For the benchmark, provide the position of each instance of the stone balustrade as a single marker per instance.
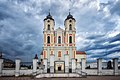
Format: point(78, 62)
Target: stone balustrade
point(99, 71)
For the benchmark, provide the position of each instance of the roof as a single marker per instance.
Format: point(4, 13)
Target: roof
point(69, 17)
point(79, 52)
point(49, 17)
point(36, 57)
point(59, 29)
point(41, 53)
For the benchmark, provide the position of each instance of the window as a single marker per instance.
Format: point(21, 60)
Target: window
point(48, 21)
point(59, 54)
point(59, 40)
point(76, 60)
point(70, 39)
point(70, 21)
point(41, 60)
point(48, 39)
point(70, 27)
point(48, 27)
point(51, 52)
point(44, 54)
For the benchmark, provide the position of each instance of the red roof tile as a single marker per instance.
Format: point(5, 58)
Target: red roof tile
point(79, 52)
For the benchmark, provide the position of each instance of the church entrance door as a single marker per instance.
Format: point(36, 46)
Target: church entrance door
point(59, 66)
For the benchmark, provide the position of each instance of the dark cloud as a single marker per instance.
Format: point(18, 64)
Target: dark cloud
point(100, 46)
point(115, 38)
point(21, 26)
point(116, 8)
point(20, 34)
point(94, 36)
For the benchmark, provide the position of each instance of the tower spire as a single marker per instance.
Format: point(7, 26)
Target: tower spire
point(69, 11)
point(49, 11)
point(49, 16)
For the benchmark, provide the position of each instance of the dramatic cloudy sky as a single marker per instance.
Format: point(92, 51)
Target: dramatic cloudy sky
point(97, 24)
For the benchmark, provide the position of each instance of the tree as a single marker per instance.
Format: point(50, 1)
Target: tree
point(0, 55)
point(109, 65)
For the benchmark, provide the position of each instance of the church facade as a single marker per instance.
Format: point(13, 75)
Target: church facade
point(59, 53)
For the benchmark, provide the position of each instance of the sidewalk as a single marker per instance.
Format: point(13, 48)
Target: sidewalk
point(88, 78)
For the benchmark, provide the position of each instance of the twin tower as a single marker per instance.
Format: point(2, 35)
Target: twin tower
point(59, 40)
point(58, 43)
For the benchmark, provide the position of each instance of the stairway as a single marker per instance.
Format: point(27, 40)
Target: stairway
point(58, 75)
point(40, 74)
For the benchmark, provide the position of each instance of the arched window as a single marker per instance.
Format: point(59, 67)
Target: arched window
point(48, 27)
point(59, 40)
point(70, 39)
point(70, 27)
point(48, 39)
point(59, 54)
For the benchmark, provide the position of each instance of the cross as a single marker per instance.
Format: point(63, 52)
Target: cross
point(49, 11)
point(69, 11)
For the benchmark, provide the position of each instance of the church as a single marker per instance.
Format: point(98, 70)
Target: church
point(59, 53)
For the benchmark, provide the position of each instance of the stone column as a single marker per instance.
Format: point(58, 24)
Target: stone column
point(78, 65)
point(66, 63)
point(35, 65)
point(99, 66)
point(52, 63)
point(45, 65)
point(73, 65)
point(1, 65)
point(115, 66)
point(83, 64)
point(17, 67)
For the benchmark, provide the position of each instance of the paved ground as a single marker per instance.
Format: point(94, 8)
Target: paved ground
point(88, 78)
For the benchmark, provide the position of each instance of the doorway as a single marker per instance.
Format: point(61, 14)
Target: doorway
point(59, 68)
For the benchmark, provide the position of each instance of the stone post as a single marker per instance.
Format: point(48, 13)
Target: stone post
point(35, 65)
point(17, 67)
point(73, 65)
point(78, 65)
point(83, 62)
point(52, 63)
point(99, 66)
point(115, 66)
point(1, 66)
point(66, 63)
point(45, 65)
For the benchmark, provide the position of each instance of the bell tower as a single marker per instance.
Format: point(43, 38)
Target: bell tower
point(70, 23)
point(48, 35)
point(49, 23)
point(70, 32)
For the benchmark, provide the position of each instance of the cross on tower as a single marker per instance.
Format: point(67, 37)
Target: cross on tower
point(69, 11)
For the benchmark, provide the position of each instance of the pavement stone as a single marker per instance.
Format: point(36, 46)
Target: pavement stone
point(88, 78)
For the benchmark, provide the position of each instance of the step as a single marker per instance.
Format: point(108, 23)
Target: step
point(58, 75)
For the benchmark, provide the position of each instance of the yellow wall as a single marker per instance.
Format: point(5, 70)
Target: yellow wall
point(79, 57)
